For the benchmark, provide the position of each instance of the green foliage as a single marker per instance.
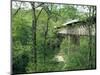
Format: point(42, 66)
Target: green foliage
point(76, 56)
point(22, 43)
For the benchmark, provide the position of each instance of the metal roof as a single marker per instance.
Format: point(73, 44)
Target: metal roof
point(70, 22)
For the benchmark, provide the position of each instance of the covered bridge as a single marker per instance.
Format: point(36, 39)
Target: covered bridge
point(73, 29)
point(76, 27)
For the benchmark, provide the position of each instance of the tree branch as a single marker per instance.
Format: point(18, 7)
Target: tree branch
point(17, 10)
point(39, 14)
point(39, 5)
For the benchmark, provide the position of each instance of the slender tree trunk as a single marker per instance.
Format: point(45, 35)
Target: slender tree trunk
point(45, 38)
point(34, 24)
point(90, 37)
point(90, 47)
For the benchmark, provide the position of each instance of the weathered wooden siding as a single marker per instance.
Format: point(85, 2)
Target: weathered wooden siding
point(79, 30)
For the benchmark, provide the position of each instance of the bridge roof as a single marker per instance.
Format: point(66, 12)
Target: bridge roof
point(70, 22)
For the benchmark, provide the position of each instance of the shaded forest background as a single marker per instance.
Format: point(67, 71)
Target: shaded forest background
point(35, 42)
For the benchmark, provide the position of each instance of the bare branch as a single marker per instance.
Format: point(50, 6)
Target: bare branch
point(17, 10)
point(39, 14)
point(39, 5)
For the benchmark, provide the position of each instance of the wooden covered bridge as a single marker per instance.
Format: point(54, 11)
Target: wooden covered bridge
point(76, 27)
point(73, 29)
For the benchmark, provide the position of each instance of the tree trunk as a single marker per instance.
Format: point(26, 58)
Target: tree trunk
point(34, 24)
point(45, 38)
point(90, 37)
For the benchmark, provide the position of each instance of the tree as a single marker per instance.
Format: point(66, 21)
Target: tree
point(91, 24)
point(34, 26)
